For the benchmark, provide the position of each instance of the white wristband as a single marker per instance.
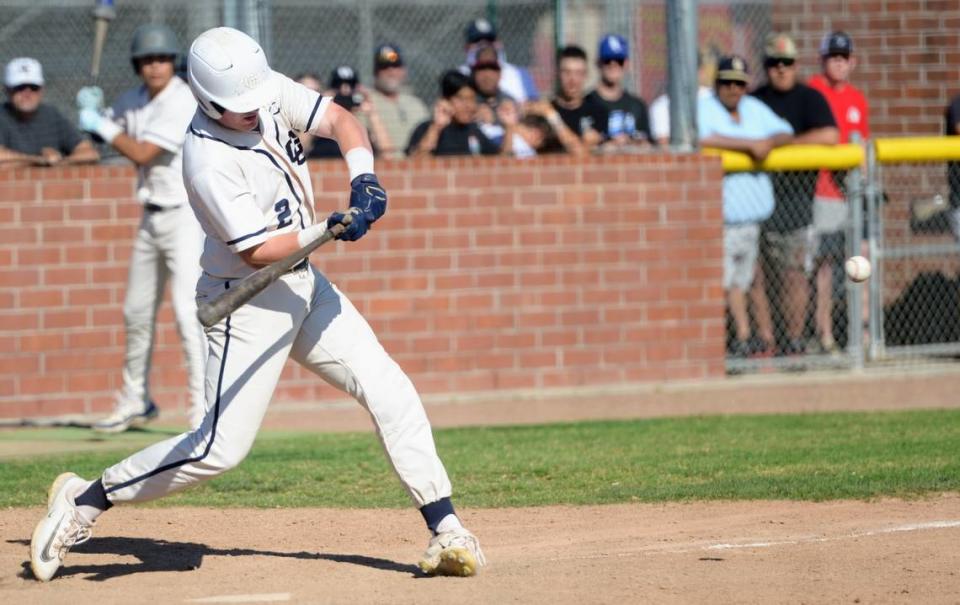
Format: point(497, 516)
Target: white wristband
point(311, 233)
point(359, 161)
point(108, 130)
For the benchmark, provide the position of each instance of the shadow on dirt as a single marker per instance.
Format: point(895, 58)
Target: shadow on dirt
point(161, 555)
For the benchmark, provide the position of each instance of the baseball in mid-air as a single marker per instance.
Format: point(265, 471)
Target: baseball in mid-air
point(858, 268)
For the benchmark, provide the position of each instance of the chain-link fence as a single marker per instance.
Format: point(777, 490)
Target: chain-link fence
point(787, 234)
point(313, 36)
point(916, 289)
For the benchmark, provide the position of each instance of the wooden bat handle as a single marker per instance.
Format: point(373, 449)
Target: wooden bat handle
point(211, 313)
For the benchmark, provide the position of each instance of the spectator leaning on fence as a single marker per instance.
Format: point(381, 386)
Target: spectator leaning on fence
point(32, 132)
point(453, 129)
point(624, 120)
point(514, 80)
point(787, 237)
point(831, 213)
point(525, 136)
point(660, 108)
point(731, 119)
point(399, 112)
point(581, 116)
point(149, 126)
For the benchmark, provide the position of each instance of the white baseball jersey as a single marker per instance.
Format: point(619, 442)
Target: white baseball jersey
point(246, 187)
point(163, 121)
point(232, 177)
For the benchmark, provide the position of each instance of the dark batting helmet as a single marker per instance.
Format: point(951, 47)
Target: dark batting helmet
point(153, 39)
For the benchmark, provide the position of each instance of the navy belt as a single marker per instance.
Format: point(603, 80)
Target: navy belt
point(150, 207)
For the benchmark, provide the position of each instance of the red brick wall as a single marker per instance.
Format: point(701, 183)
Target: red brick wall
point(484, 275)
point(908, 52)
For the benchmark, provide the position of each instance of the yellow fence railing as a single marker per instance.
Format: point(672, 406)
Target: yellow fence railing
point(917, 149)
point(793, 157)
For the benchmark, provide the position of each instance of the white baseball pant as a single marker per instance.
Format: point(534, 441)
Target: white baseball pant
point(302, 316)
point(167, 248)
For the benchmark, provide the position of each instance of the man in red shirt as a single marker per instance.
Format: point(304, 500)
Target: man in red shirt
point(830, 210)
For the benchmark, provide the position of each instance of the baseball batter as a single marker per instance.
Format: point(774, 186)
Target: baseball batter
point(248, 183)
point(149, 126)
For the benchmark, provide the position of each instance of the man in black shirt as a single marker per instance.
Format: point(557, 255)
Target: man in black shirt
point(577, 113)
point(485, 71)
point(31, 132)
point(624, 120)
point(453, 129)
point(787, 236)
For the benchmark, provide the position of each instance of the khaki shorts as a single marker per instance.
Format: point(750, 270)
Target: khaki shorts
point(789, 251)
point(830, 215)
point(740, 248)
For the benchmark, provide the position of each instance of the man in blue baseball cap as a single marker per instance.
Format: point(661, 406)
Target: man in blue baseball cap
point(624, 118)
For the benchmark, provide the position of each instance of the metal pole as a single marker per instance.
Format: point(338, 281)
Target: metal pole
point(875, 245)
point(855, 291)
point(682, 29)
point(559, 39)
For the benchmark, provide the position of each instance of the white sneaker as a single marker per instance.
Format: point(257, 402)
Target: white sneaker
point(126, 414)
point(453, 553)
point(60, 529)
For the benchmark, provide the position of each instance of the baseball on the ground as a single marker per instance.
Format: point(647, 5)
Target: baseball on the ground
point(858, 268)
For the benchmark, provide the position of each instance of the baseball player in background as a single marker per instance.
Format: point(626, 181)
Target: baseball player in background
point(148, 127)
point(248, 183)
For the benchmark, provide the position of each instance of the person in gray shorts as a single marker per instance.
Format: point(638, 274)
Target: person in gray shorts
point(731, 119)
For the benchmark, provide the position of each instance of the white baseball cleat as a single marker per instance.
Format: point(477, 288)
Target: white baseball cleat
point(453, 553)
point(60, 529)
point(127, 414)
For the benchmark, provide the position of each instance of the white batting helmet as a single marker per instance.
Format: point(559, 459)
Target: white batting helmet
point(228, 71)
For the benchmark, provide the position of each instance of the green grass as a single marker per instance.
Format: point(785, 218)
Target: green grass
point(808, 457)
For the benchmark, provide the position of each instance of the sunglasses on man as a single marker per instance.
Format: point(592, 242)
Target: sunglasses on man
point(609, 61)
point(33, 87)
point(777, 62)
point(737, 83)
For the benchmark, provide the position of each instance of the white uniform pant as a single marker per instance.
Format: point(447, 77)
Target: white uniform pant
point(167, 248)
point(305, 317)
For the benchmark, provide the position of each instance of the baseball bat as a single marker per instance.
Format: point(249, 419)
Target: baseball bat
point(211, 313)
point(103, 13)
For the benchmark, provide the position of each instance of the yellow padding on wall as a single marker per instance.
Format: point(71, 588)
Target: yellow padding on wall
point(918, 149)
point(793, 157)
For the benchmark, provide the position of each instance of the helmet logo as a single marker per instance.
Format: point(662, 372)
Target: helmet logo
point(251, 81)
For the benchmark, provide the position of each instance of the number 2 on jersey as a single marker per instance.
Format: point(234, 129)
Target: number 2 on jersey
point(283, 213)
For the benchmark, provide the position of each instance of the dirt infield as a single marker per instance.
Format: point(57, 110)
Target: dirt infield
point(764, 552)
point(885, 551)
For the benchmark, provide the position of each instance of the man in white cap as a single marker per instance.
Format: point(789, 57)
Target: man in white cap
point(31, 132)
point(249, 184)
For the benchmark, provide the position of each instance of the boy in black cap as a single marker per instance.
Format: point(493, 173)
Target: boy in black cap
point(831, 213)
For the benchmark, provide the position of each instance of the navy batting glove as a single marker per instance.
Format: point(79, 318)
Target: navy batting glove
point(367, 195)
point(355, 230)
